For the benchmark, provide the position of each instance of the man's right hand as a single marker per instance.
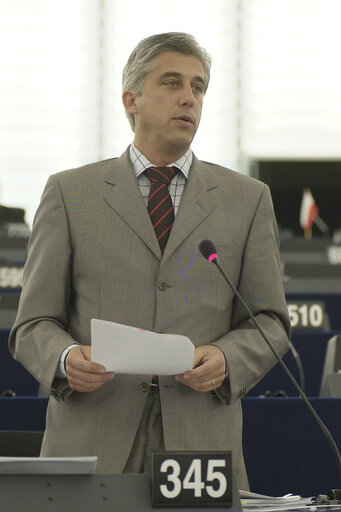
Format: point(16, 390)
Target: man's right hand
point(82, 374)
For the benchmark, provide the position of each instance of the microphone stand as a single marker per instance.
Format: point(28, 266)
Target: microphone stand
point(206, 246)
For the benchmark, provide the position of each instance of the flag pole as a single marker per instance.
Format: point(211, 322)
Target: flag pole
point(307, 234)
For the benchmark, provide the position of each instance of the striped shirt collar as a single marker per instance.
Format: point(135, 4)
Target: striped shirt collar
point(140, 163)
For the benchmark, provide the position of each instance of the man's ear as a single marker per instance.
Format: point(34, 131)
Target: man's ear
point(128, 98)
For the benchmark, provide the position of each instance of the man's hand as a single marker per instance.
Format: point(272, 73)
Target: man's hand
point(208, 371)
point(82, 374)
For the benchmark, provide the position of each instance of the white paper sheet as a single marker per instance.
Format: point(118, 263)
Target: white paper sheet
point(262, 503)
point(123, 349)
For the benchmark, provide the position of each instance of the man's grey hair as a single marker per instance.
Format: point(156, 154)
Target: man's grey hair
point(141, 60)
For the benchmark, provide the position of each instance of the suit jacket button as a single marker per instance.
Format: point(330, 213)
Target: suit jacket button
point(162, 286)
point(144, 386)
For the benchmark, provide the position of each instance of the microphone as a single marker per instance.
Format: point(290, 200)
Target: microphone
point(210, 253)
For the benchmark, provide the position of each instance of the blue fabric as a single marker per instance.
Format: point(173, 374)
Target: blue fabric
point(311, 346)
point(23, 413)
point(283, 447)
point(13, 375)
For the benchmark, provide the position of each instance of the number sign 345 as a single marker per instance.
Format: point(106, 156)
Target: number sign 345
point(192, 479)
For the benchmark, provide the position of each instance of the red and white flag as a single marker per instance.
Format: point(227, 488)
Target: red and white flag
point(309, 210)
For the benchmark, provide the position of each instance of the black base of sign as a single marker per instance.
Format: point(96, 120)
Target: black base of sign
point(196, 479)
point(83, 493)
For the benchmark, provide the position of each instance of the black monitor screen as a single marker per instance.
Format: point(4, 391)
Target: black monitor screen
point(287, 180)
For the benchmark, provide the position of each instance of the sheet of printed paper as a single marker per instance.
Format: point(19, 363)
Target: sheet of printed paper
point(124, 349)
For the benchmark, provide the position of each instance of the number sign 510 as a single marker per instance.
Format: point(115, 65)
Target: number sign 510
point(307, 315)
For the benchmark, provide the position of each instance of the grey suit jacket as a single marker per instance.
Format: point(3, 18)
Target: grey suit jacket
point(93, 253)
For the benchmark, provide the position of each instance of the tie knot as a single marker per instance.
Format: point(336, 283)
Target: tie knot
point(161, 174)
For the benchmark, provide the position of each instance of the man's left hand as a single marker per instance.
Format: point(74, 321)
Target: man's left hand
point(208, 372)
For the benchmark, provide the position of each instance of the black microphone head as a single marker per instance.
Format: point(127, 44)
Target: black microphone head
point(208, 250)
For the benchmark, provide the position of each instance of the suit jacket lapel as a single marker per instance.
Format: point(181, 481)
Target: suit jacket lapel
point(197, 203)
point(122, 193)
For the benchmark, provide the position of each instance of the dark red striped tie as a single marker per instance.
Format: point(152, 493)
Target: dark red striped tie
point(160, 205)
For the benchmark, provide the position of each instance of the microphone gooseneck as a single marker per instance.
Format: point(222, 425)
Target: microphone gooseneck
point(209, 252)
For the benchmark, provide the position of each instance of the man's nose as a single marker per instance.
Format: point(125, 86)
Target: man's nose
point(187, 95)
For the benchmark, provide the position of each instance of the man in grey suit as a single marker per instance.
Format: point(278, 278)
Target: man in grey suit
point(94, 253)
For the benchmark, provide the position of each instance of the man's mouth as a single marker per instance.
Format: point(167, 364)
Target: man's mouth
point(185, 119)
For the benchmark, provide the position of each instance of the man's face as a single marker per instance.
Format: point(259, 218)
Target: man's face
point(167, 113)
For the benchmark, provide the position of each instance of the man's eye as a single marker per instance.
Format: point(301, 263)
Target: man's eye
point(197, 89)
point(171, 83)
